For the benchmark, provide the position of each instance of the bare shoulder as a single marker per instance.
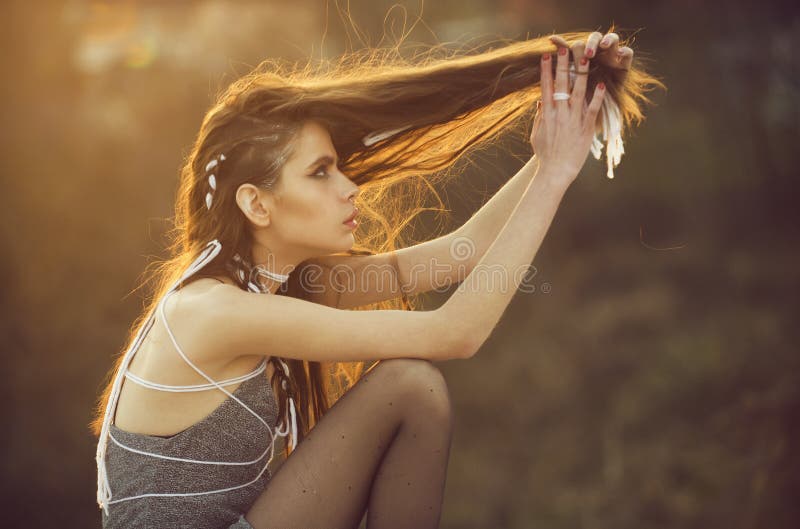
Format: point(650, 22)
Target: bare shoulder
point(189, 302)
point(221, 323)
point(191, 313)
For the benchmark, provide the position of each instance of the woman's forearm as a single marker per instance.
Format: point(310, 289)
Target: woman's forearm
point(485, 224)
point(480, 300)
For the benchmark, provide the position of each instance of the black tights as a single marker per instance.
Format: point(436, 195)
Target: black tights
point(383, 447)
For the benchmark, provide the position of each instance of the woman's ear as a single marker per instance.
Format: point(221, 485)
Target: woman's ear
point(254, 204)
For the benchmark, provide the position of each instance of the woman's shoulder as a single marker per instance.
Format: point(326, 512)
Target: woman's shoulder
point(189, 311)
point(195, 292)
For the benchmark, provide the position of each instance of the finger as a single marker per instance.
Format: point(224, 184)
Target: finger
point(609, 42)
point(537, 122)
point(578, 50)
point(581, 64)
point(591, 43)
point(626, 57)
point(537, 111)
point(562, 82)
point(546, 69)
point(558, 40)
point(594, 108)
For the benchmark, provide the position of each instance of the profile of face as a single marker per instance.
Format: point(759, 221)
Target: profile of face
point(304, 214)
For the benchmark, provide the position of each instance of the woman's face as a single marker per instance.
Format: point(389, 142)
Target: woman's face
point(312, 198)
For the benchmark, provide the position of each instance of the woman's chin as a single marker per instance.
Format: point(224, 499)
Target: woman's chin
point(348, 240)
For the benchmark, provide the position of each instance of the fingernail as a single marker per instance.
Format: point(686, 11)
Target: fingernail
point(601, 85)
point(562, 51)
point(604, 41)
point(546, 57)
point(584, 60)
point(589, 52)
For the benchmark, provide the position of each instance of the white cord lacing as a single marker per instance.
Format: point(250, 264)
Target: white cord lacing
point(104, 495)
point(196, 387)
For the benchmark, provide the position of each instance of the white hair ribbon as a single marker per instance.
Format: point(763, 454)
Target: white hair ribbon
point(375, 137)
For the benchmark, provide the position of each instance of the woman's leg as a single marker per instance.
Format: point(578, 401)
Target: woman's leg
point(384, 446)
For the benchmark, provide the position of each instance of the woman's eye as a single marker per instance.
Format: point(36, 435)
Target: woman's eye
point(321, 173)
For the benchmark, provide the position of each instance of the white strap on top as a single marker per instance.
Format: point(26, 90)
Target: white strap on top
point(197, 387)
point(104, 496)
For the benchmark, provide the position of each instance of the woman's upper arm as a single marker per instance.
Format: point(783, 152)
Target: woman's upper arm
point(245, 323)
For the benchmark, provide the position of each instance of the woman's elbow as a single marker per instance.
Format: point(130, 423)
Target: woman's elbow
point(450, 342)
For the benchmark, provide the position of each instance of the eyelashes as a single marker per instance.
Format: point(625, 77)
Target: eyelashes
point(320, 169)
point(321, 172)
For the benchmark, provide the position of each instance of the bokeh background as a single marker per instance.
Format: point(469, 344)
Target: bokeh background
point(651, 381)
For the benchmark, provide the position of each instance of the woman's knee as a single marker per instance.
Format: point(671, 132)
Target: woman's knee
point(421, 384)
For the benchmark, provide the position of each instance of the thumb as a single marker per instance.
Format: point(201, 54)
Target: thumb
point(536, 119)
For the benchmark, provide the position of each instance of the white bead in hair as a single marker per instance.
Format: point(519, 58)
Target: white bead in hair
point(375, 137)
point(212, 179)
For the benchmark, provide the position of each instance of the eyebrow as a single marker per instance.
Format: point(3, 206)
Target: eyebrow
point(324, 159)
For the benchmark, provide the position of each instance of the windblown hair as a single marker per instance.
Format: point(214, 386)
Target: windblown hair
point(446, 105)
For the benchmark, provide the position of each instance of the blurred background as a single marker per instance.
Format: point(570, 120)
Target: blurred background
point(652, 380)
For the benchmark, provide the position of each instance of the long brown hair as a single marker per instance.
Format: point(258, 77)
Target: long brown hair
point(446, 103)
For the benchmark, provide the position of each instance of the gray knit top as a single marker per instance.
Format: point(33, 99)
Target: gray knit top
point(229, 434)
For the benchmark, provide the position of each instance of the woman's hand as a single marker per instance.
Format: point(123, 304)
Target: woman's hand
point(563, 130)
point(604, 49)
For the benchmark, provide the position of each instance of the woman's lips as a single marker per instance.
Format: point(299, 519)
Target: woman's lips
point(351, 221)
point(351, 217)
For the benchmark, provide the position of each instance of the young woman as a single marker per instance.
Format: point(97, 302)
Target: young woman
point(214, 373)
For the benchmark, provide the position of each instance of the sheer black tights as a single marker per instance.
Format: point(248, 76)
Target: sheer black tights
point(383, 447)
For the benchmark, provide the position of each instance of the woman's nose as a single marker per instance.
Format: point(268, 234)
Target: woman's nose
point(353, 193)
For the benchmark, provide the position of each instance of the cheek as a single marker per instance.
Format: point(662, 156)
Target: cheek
point(306, 216)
